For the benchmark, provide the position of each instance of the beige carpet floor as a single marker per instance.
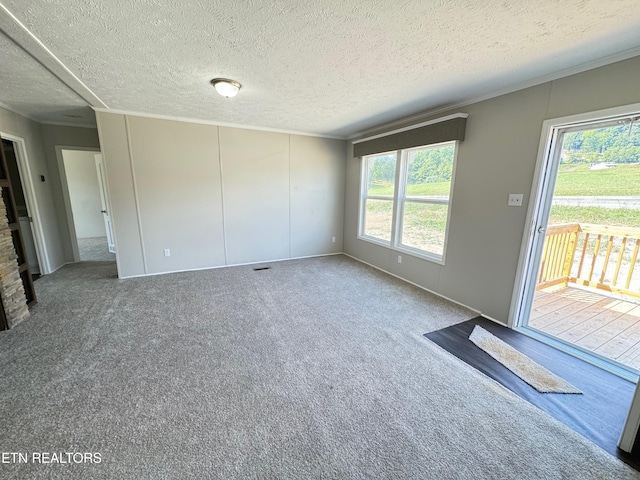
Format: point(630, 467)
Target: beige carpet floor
point(315, 368)
point(95, 249)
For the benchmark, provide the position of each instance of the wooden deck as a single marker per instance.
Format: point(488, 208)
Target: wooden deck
point(603, 324)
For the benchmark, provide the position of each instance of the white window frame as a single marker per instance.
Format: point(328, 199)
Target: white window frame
point(364, 188)
point(400, 198)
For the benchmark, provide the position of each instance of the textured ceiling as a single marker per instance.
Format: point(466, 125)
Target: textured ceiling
point(332, 67)
point(26, 86)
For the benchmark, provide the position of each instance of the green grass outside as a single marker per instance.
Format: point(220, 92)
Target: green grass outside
point(421, 189)
point(578, 180)
point(424, 225)
point(573, 180)
point(596, 215)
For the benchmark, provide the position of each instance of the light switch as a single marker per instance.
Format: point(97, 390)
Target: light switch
point(515, 200)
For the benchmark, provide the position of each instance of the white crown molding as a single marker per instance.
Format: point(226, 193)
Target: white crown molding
point(42, 122)
point(18, 112)
point(67, 124)
point(23, 37)
point(214, 123)
point(567, 72)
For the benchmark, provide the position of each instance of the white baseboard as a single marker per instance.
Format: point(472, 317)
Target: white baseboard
point(58, 268)
point(227, 266)
point(494, 320)
point(417, 285)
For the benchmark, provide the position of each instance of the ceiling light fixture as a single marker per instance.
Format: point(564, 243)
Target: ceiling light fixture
point(225, 87)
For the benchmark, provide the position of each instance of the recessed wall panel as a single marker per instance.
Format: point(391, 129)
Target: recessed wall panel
point(115, 151)
point(177, 173)
point(317, 195)
point(255, 182)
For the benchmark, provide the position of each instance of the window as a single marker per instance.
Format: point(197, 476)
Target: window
point(405, 204)
point(378, 200)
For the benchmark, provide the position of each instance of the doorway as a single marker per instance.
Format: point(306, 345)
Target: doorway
point(86, 202)
point(28, 218)
point(580, 267)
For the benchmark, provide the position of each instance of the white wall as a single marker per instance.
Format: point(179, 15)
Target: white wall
point(218, 196)
point(497, 157)
point(84, 193)
point(177, 184)
point(317, 195)
point(125, 215)
point(255, 182)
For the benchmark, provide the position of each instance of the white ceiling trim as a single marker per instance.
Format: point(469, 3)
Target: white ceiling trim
point(601, 62)
point(17, 112)
point(214, 123)
point(37, 120)
point(22, 36)
point(67, 124)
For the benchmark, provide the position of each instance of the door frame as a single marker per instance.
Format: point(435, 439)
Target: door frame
point(104, 199)
point(542, 187)
point(67, 198)
point(26, 180)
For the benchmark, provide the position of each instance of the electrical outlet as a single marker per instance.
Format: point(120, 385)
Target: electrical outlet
point(515, 200)
point(399, 258)
point(333, 239)
point(167, 252)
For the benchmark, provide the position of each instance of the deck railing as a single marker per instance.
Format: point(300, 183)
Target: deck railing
point(598, 256)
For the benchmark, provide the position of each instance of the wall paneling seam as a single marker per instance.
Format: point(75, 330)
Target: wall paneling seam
point(290, 196)
point(135, 195)
point(224, 217)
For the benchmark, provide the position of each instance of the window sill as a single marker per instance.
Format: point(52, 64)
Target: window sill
point(374, 240)
point(404, 250)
